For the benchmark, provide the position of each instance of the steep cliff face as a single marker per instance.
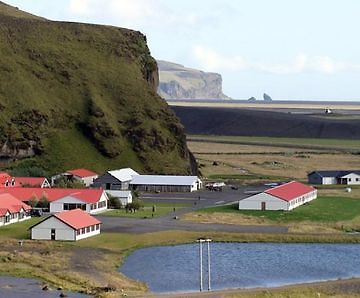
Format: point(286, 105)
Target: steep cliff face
point(179, 82)
point(84, 95)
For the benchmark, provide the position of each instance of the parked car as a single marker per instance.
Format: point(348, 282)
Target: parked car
point(36, 212)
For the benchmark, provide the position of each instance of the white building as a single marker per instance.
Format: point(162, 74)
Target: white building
point(284, 197)
point(12, 210)
point(61, 199)
point(347, 177)
point(92, 201)
point(67, 225)
point(124, 196)
point(163, 183)
point(85, 176)
point(115, 180)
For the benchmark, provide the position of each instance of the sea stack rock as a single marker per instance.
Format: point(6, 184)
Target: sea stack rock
point(252, 98)
point(267, 97)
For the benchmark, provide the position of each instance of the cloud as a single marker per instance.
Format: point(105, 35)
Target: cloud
point(136, 14)
point(211, 60)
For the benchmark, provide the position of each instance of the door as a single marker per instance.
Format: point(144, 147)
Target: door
point(263, 206)
point(53, 234)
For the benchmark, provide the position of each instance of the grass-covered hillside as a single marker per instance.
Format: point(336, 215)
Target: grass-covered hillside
point(82, 95)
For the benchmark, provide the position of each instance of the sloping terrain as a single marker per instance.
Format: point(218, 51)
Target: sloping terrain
point(82, 95)
point(180, 82)
point(245, 122)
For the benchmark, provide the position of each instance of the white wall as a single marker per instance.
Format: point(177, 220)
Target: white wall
point(58, 206)
point(254, 202)
point(352, 179)
point(123, 195)
point(274, 203)
point(43, 230)
point(329, 180)
point(86, 180)
point(90, 234)
point(15, 219)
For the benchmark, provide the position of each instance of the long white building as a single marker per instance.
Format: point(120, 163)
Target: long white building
point(284, 197)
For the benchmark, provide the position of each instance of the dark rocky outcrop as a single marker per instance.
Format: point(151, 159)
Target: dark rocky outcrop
point(267, 97)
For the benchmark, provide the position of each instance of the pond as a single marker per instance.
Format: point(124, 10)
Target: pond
point(14, 287)
point(241, 265)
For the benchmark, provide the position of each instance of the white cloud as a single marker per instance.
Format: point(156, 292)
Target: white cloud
point(137, 14)
point(211, 60)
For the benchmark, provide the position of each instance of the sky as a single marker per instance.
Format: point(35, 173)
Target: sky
point(299, 49)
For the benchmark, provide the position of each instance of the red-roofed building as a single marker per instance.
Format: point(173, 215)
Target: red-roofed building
point(70, 225)
point(84, 176)
point(61, 199)
point(7, 180)
point(283, 197)
point(12, 210)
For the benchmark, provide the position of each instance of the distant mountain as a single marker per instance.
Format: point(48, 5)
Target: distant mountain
point(180, 82)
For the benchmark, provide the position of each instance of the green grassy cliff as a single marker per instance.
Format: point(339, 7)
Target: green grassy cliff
point(82, 95)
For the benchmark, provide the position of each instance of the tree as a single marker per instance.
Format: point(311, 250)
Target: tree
point(115, 202)
point(33, 202)
point(134, 206)
point(43, 202)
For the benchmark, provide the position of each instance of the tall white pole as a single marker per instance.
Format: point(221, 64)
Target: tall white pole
point(201, 265)
point(209, 272)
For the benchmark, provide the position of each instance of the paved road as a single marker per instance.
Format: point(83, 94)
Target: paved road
point(139, 225)
point(167, 222)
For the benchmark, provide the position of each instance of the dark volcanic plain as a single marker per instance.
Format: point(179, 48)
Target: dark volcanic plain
point(292, 123)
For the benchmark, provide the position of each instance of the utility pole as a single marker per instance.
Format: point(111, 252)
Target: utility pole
point(209, 266)
point(201, 262)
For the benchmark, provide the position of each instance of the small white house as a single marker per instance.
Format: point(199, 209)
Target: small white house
point(284, 197)
point(12, 210)
point(67, 225)
point(83, 175)
point(124, 196)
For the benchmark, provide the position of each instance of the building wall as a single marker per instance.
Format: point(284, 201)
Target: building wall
point(274, 203)
point(108, 181)
point(43, 230)
point(58, 206)
point(163, 188)
point(254, 202)
point(121, 195)
point(15, 218)
point(88, 234)
point(352, 179)
point(86, 180)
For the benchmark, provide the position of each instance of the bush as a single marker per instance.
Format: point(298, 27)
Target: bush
point(115, 203)
point(135, 205)
point(63, 182)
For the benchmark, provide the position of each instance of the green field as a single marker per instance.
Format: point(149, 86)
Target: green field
point(323, 209)
point(316, 143)
point(146, 212)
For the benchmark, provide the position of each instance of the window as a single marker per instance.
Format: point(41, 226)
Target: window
point(83, 231)
point(92, 228)
point(78, 232)
point(71, 206)
point(97, 226)
point(88, 230)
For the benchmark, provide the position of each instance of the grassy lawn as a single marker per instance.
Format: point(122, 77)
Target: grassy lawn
point(323, 209)
point(18, 230)
point(160, 210)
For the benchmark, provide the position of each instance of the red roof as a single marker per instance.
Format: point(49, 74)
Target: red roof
point(11, 204)
point(82, 173)
point(29, 181)
point(53, 194)
point(77, 218)
point(290, 191)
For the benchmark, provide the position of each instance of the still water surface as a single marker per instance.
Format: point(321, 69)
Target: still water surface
point(242, 265)
point(14, 287)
